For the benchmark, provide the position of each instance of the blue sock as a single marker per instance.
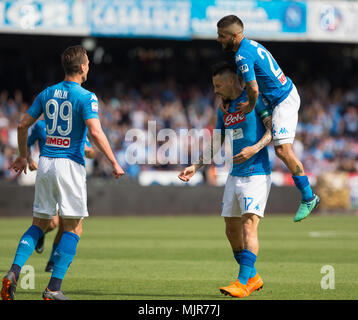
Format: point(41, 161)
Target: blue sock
point(247, 262)
point(54, 247)
point(237, 255)
point(303, 185)
point(63, 256)
point(25, 248)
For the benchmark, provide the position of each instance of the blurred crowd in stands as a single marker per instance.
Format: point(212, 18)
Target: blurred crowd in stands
point(169, 82)
point(326, 139)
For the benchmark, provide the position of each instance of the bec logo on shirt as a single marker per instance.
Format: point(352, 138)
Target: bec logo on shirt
point(233, 118)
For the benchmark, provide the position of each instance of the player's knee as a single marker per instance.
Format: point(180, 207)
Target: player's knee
point(53, 225)
point(249, 225)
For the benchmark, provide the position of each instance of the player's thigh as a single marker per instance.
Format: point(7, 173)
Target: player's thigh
point(253, 193)
point(285, 119)
point(230, 205)
point(45, 200)
point(71, 181)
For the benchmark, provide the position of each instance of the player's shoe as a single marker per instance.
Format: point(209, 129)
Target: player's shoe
point(236, 289)
point(8, 286)
point(305, 208)
point(40, 245)
point(49, 266)
point(54, 295)
point(254, 284)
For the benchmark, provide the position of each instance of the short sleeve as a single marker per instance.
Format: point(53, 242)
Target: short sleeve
point(36, 108)
point(90, 107)
point(245, 66)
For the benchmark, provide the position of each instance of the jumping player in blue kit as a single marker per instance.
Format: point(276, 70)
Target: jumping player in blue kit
point(249, 181)
point(262, 75)
point(69, 110)
point(37, 133)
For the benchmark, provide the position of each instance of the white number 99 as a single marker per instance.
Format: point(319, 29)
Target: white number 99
point(59, 111)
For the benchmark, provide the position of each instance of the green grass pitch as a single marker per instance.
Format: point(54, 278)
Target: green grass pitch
point(189, 258)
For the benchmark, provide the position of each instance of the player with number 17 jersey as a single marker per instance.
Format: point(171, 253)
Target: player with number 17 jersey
point(66, 107)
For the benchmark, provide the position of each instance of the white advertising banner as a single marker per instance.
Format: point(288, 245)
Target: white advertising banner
point(332, 21)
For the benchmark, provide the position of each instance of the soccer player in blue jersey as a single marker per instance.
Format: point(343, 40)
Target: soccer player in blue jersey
point(70, 112)
point(37, 133)
point(249, 181)
point(261, 74)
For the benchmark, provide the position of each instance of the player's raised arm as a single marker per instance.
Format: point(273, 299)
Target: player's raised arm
point(100, 140)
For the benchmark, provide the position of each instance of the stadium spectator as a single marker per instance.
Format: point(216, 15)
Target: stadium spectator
point(328, 124)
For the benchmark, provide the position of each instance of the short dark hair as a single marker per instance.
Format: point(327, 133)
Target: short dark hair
point(229, 20)
point(72, 58)
point(221, 67)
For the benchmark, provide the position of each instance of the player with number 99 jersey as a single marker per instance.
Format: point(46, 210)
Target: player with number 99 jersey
point(66, 107)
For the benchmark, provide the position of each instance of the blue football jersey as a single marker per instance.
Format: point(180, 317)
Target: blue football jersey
point(254, 62)
point(66, 107)
point(247, 130)
point(37, 133)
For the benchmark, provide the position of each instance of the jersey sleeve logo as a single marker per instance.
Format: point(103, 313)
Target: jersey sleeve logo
point(94, 106)
point(244, 68)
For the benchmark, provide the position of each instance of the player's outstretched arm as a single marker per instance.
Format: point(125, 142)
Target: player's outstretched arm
point(20, 163)
point(248, 152)
point(101, 141)
point(208, 153)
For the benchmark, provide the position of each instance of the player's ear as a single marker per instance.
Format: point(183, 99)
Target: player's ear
point(82, 68)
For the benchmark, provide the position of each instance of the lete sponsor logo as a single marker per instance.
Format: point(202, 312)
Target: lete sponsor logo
point(233, 118)
point(58, 141)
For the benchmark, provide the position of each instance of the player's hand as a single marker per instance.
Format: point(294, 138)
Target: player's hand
point(187, 173)
point(19, 165)
point(245, 154)
point(32, 165)
point(243, 107)
point(224, 107)
point(117, 171)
